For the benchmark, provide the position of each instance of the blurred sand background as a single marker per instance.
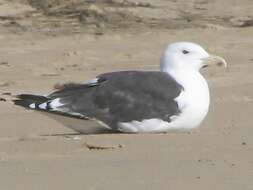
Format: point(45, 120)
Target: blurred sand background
point(47, 42)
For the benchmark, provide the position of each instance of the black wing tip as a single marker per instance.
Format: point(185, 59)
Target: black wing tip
point(31, 101)
point(25, 100)
point(22, 103)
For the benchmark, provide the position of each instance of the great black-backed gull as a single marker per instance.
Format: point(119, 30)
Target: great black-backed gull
point(177, 97)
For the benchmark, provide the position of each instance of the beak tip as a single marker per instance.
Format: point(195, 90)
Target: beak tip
point(222, 63)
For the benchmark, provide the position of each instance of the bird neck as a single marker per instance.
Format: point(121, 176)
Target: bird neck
point(193, 83)
point(187, 78)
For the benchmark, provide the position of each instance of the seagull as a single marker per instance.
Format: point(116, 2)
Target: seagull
point(176, 97)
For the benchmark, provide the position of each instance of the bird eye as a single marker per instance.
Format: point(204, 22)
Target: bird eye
point(185, 52)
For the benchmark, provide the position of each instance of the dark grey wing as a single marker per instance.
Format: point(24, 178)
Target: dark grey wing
point(122, 97)
point(112, 98)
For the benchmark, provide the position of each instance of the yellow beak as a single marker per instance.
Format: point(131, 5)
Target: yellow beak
point(214, 60)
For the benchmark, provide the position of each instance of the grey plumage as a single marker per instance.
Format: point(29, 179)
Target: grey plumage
point(115, 97)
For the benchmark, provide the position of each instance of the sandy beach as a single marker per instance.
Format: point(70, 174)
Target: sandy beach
point(39, 50)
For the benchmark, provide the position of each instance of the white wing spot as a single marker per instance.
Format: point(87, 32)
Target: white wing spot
point(56, 103)
point(32, 106)
point(93, 81)
point(43, 106)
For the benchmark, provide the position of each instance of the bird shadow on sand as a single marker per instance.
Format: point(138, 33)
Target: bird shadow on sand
point(94, 132)
point(111, 132)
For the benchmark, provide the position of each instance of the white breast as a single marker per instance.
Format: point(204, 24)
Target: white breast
point(193, 101)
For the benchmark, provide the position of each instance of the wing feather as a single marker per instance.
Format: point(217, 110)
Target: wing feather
point(116, 97)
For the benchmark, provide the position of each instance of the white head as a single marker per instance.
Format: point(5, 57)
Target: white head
point(187, 56)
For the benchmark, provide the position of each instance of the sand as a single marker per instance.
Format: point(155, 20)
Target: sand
point(36, 152)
